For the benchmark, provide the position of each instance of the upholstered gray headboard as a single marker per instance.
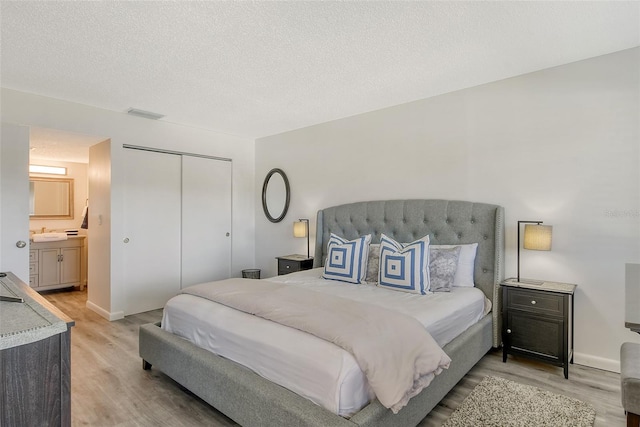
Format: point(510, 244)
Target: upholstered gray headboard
point(447, 222)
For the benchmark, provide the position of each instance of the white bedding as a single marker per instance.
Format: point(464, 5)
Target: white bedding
point(305, 364)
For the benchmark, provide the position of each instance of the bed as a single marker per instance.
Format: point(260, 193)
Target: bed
point(251, 400)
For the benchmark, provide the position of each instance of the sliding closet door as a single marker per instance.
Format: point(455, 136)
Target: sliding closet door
point(206, 220)
point(151, 243)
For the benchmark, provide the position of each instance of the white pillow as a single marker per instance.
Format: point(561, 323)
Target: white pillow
point(404, 267)
point(347, 259)
point(466, 263)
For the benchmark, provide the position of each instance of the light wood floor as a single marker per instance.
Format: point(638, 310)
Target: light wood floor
point(109, 387)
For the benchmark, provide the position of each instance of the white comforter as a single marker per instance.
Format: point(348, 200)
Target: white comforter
point(312, 367)
point(395, 351)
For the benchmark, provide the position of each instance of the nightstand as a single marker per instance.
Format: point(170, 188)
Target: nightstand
point(537, 321)
point(291, 263)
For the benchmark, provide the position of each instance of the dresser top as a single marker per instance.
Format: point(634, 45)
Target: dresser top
point(564, 288)
point(32, 320)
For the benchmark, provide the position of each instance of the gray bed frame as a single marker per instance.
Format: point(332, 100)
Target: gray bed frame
point(251, 400)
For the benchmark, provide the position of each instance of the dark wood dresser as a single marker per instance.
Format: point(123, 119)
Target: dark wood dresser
point(537, 321)
point(35, 358)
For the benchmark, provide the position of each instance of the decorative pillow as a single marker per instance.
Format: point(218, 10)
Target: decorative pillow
point(347, 259)
point(443, 263)
point(466, 263)
point(404, 267)
point(373, 263)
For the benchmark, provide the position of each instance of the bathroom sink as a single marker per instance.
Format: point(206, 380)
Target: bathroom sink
point(49, 237)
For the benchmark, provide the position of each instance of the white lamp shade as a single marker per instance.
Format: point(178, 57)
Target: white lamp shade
point(300, 228)
point(537, 237)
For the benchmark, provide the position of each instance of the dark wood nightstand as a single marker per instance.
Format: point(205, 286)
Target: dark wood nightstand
point(291, 263)
point(537, 321)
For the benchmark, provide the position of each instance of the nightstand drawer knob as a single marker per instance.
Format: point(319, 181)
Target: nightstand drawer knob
point(508, 331)
point(533, 302)
point(287, 267)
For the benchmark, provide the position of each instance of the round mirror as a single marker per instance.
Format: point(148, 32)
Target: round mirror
point(275, 195)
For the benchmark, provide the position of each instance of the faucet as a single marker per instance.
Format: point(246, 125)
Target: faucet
point(43, 229)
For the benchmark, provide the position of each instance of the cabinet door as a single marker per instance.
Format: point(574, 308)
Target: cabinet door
point(206, 220)
point(151, 244)
point(70, 265)
point(537, 335)
point(49, 267)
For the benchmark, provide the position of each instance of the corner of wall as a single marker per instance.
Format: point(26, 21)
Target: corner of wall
point(104, 313)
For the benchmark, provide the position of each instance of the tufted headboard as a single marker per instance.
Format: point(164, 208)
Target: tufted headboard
point(447, 222)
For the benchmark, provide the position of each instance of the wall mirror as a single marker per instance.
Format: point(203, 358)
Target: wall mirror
point(50, 198)
point(275, 195)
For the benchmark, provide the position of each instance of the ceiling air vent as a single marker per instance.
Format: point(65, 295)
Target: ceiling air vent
point(145, 114)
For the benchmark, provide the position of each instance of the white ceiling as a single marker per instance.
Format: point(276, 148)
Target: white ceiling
point(54, 144)
point(259, 68)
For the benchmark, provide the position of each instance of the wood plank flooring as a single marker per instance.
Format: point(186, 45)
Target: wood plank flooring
point(109, 387)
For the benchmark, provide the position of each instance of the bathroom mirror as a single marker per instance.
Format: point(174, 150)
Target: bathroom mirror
point(275, 195)
point(50, 198)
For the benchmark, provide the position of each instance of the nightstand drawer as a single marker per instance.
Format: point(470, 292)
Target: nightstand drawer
point(286, 266)
point(536, 301)
point(292, 263)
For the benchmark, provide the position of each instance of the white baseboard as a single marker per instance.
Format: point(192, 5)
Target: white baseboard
point(104, 313)
point(596, 362)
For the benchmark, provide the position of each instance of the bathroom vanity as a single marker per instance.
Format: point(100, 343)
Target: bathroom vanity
point(57, 264)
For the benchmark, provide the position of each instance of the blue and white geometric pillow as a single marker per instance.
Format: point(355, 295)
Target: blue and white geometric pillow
point(347, 259)
point(404, 267)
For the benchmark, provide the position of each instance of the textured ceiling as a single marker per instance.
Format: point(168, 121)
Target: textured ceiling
point(259, 68)
point(53, 144)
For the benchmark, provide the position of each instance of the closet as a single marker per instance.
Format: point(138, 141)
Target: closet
point(177, 222)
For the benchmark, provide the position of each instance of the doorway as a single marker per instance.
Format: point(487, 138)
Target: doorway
point(58, 230)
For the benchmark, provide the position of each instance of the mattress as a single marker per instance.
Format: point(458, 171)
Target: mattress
point(309, 366)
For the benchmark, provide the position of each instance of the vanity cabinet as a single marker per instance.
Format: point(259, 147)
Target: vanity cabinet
point(54, 265)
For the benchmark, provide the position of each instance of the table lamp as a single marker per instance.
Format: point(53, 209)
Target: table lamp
point(537, 237)
point(301, 229)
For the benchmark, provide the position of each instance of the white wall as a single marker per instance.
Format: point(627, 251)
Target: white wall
point(560, 145)
point(99, 232)
point(120, 128)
